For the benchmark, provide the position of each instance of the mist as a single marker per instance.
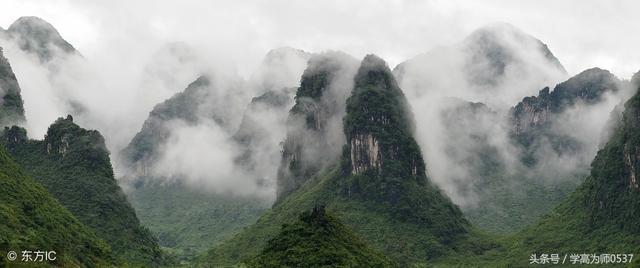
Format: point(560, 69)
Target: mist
point(136, 55)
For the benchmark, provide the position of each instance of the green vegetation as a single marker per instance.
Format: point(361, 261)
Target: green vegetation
point(603, 213)
point(599, 217)
point(390, 170)
point(502, 192)
point(183, 105)
point(318, 239)
point(73, 165)
point(307, 147)
point(508, 203)
point(187, 221)
point(32, 219)
point(396, 210)
point(11, 105)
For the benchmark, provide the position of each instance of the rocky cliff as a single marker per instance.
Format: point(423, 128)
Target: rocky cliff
point(11, 104)
point(313, 138)
point(587, 87)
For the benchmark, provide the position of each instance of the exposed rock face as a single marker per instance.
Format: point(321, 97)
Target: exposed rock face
point(378, 122)
point(379, 128)
point(587, 87)
point(11, 104)
point(365, 153)
point(377, 185)
point(64, 135)
point(612, 191)
point(315, 119)
point(631, 161)
point(15, 135)
point(37, 36)
point(532, 112)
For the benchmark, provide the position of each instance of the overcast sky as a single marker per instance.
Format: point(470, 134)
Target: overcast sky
point(580, 33)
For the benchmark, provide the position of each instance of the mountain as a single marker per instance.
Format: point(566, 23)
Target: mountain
point(601, 215)
point(180, 214)
point(318, 239)
point(494, 50)
point(313, 137)
point(32, 219)
point(378, 186)
point(37, 36)
point(261, 131)
point(529, 157)
point(208, 98)
point(73, 164)
point(11, 106)
point(492, 65)
point(281, 68)
point(143, 148)
point(588, 87)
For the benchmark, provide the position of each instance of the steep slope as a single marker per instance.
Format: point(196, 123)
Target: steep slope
point(318, 239)
point(529, 157)
point(143, 148)
point(74, 165)
point(382, 162)
point(11, 104)
point(37, 36)
point(314, 126)
point(601, 216)
point(180, 213)
point(378, 187)
point(176, 212)
point(32, 219)
point(260, 133)
point(208, 98)
point(533, 114)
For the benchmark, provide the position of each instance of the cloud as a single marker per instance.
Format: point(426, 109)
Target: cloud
point(136, 54)
point(202, 157)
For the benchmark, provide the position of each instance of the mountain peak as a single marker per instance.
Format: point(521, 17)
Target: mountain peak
point(374, 71)
point(587, 87)
point(319, 239)
point(378, 124)
point(64, 137)
point(490, 62)
point(285, 51)
point(497, 27)
point(38, 36)
point(281, 68)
